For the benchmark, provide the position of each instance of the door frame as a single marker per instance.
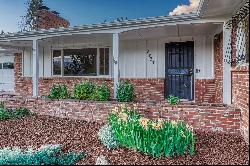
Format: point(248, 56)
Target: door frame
point(194, 66)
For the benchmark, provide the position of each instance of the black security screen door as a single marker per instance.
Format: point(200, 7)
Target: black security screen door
point(179, 70)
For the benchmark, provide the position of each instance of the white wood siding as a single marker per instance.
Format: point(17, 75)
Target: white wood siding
point(134, 60)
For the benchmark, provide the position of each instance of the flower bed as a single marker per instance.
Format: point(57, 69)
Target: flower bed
point(154, 137)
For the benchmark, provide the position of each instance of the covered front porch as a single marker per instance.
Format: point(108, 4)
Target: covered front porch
point(137, 54)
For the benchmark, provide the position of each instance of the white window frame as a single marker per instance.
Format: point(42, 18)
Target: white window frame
point(97, 64)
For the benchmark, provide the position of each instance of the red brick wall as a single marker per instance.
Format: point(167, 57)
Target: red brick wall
point(240, 96)
point(218, 64)
point(145, 89)
point(49, 20)
point(204, 91)
point(212, 117)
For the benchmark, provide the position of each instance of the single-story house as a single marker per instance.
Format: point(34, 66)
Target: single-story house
point(189, 55)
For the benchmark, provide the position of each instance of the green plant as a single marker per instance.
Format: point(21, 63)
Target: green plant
point(4, 114)
point(49, 155)
point(173, 100)
point(20, 112)
point(59, 92)
point(13, 113)
point(2, 105)
point(107, 136)
point(125, 92)
point(154, 137)
point(84, 91)
point(101, 93)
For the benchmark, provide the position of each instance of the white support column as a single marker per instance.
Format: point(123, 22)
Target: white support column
point(116, 62)
point(227, 80)
point(35, 76)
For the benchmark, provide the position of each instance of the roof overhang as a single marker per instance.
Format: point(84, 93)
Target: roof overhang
point(207, 8)
point(113, 27)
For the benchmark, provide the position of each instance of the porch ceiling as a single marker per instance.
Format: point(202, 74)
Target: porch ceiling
point(69, 40)
point(172, 31)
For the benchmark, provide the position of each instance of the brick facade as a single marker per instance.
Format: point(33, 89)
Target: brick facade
point(48, 19)
point(218, 65)
point(240, 96)
point(212, 117)
point(145, 89)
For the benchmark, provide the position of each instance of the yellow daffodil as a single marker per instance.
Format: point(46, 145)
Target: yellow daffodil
point(115, 110)
point(144, 122)
point(123, 116)
point(157, 126)
point(174, 123)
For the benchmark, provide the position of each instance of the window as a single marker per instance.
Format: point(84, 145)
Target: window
point(57, 60)
point(80, 62)
point(104, 61)
point(1, 65)
point(8, 65)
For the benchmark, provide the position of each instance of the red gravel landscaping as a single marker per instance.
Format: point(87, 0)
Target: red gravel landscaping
point(77, 135)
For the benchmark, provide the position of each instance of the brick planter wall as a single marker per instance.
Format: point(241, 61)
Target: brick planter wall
point(240, 96)
point(202, 117)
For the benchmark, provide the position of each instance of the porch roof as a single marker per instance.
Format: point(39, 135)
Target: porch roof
point(109, 27)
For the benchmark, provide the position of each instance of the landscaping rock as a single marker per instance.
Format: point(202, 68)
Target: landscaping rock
point(101, 160)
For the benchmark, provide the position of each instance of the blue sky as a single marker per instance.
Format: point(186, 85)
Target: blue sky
point(80, 12)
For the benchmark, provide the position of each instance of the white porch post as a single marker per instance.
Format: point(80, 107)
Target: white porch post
point(116, 62)
point(35, 76)
point(227, 81)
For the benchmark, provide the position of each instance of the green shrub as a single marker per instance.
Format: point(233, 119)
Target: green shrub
point(84, 91)
point(59, 92)
point(13, 113)
point(154, 137)
point(173, 100)
point(49, 155)
point(4, 114)
point(107, 136)
point(125, 92)
point(101, 93)
point(20, 112)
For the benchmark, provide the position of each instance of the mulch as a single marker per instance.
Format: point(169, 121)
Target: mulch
point(76, 135)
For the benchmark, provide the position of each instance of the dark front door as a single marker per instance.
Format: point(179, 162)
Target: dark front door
point(179, 70)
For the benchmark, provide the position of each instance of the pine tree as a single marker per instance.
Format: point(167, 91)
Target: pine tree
point(30, 20)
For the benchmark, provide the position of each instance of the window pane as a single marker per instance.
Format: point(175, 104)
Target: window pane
point(104, 61)
point(80, 62)
point(1, 65)
point(57, 62)
point(8, 65)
